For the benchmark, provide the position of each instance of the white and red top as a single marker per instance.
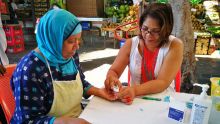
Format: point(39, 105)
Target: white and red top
point(142, 70)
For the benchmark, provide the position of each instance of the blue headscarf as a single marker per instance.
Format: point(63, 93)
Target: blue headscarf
point(53, 29)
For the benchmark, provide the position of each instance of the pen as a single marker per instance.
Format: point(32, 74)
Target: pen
point(151, 98)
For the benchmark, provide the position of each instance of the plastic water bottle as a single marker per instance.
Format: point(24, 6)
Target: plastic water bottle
point(215, 111)
point(201, 107)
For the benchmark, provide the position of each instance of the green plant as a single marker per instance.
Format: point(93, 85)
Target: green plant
point(162, 1)
point(195, 2)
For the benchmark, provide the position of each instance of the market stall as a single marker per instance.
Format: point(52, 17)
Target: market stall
point(206, 25)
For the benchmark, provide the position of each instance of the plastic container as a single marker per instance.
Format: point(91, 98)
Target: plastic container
point(16, 48)
point(215, 111)
point(12, 40)
point(122, 42)
point(13, 29)
point(214, 83)
point(201, 107)
point(86, 25)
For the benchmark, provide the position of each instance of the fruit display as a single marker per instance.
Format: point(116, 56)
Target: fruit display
point(205, 22)
point(202, 34)
point(212, 12)
point(215, 31)
point(197, 16)
point(118, 12)
point(110, 25)
point(202, 46)
point(124, 13)
point(195, 2)
point(197, 24)
point(202, 42)
point(132, 15)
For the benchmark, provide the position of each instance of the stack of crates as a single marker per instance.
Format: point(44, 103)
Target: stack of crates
point(15, 38)
point(3, 7)
point(202, 45)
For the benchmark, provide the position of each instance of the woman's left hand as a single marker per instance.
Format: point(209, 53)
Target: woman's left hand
point(106, 95)
point(127, 94)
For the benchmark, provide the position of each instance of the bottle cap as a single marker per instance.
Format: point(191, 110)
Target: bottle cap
point(115, 89)
point(205, 87)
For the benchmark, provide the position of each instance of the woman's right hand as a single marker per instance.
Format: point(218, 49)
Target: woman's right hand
point(127, 95)
point(69, 120)
point(110, 82)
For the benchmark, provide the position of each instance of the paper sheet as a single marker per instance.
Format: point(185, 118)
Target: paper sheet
point(100, 111)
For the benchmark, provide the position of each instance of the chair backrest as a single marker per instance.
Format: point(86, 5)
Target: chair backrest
point(177, 80)
point(6, 95)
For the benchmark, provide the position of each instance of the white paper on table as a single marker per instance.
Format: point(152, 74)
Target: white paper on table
point(100, 111)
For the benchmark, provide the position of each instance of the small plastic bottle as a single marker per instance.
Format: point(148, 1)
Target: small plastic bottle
point(201, 107)
point(215, 111)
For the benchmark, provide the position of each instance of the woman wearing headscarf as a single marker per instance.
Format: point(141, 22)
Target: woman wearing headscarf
point(48, 83)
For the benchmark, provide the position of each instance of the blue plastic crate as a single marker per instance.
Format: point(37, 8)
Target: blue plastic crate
point(86, 25)
point(122, 42)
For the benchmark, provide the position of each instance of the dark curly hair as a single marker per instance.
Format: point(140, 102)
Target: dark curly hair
point(163, 13)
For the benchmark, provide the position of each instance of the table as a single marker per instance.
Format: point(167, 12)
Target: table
point(100, 111)
point(109, 32)
point(92, 28)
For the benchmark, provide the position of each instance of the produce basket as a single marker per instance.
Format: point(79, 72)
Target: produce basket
point(127, 28)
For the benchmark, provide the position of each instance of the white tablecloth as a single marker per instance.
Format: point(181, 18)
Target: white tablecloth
point(100, 111)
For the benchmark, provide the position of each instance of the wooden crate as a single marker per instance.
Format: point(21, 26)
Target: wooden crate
point(202, 45)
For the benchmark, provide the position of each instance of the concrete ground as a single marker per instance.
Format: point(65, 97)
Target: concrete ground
point(94, 56)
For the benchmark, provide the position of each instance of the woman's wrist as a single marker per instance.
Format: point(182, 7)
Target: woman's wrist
point(111, 74)
point(94, 91)
point(134, 88)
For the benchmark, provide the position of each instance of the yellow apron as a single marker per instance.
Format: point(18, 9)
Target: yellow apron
point(67, 97)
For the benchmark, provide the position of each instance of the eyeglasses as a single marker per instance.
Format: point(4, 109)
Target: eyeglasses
point(153, 32)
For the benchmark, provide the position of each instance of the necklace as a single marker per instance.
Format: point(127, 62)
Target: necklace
point(148, 64)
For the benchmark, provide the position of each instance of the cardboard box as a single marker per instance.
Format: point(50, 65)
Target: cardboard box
point(86, 8)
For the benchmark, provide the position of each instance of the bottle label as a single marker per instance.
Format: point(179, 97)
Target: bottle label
point(200, 114)
point(176, 114)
